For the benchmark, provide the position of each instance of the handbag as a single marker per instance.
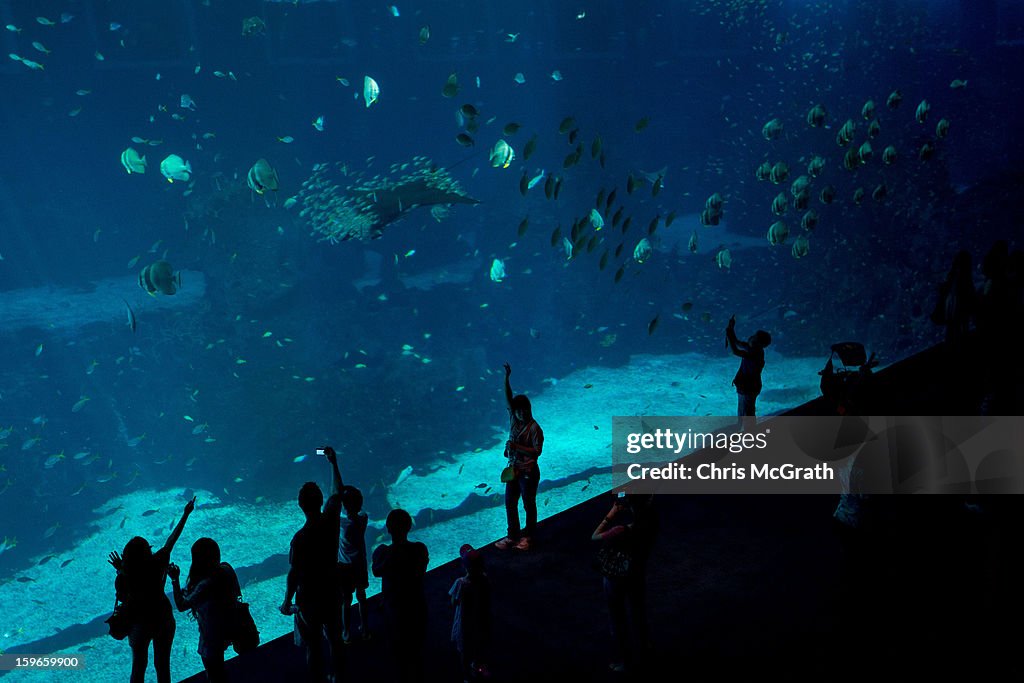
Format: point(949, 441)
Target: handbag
point(508, 474)
point(245, 637)
point(120, 622)
point(613, 562)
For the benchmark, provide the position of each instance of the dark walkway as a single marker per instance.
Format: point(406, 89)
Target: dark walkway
point(750, 587)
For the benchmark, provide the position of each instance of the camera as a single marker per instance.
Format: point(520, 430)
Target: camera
point(621, 495)
point(321, 451)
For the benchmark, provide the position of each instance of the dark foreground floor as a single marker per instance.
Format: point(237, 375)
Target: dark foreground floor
point(743, 588)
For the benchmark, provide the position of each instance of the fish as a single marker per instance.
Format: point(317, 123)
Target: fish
point(846, 132)
point(921, 113)
point(79, 404)
point(465, 140)
point(287, 139)
point(132, 162)
point(556, 75)
point(186, 102)
point(66, 563)
point(643, 250)
point(692, 244)
point(619, 273)
point(51, 531)
point(596, 220)
point(371, 91)
point(469, 111)
point(641, 124)
point(772, 130)
point(160, 277)
point(12, 28)
point(318, 123)
point(424, 34)
point(523, 226)
point(403, 475)
point(451, 86)
point(653, 325)
point(132, 323)
point(135, 441)
point(815, 166)
point(511, 128)
point(39, 350)
point(150, 512)
point(723, 259)
point(40, 47)
point(816, 116)
point(780, 204)
point(828, 193)
point(519, 78)
point(45, 22)
point(809, 221)
point(777, 232)
point(894, 99)
point(653, 225)
point(529, 148)
point(262, 177)
point(955, 84)
point(502, 154)
point(497, 270)
point(868, 110)
point(175, 168)
point(942, 129)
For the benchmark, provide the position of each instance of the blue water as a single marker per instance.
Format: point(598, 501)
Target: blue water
point(706, 75)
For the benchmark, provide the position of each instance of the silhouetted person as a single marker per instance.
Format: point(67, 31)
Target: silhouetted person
point(998, 321)
point(314, 580)
point(625, 588)
point(211, 593)
point(401, 567)
point(352, 555)
point(748, 378)
point(524, 446)
point(957, 303)
point(141, 575)
point(471, 626)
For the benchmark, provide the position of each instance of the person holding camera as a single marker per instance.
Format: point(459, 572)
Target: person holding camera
point(313, 579)
point(524, 445)
point(748, 378)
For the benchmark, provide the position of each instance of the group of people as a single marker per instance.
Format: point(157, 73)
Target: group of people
point(980, 315)
point(329, 566)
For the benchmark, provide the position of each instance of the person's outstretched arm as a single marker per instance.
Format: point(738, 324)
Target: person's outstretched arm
point(173, 538)
point(738, 348)
point(508, 386)
point(604, 530)
point(336, 483)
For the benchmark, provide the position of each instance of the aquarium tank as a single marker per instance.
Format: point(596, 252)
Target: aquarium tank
point(236, 231)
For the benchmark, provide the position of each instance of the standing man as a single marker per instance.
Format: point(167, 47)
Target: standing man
point(313, 580)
